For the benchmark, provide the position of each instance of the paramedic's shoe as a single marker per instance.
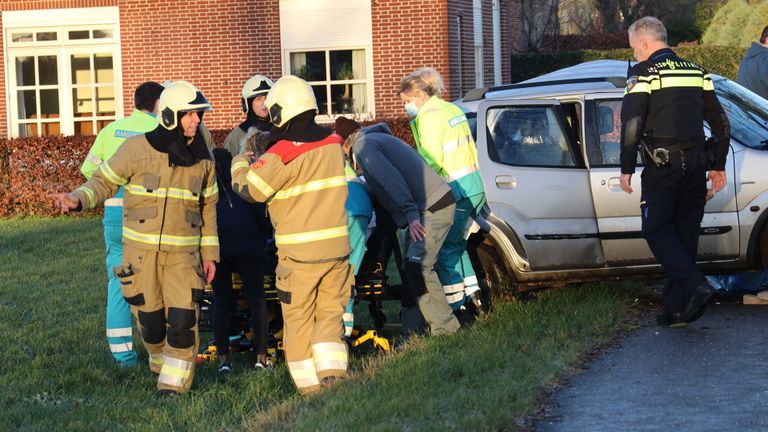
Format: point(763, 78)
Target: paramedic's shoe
point(226, 368)
point(263, 366)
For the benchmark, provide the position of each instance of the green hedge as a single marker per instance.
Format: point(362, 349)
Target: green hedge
point(720, 60)
point(738, 23)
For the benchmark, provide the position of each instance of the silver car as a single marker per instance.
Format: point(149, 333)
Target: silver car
point(549, 155)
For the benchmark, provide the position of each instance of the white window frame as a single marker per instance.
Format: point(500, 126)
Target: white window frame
point(61, 21)
point(368, 80)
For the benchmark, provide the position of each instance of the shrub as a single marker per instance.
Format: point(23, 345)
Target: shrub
point(31, 168)
point(738, 23)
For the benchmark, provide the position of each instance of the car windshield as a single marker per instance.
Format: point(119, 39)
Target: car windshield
point(747, 112)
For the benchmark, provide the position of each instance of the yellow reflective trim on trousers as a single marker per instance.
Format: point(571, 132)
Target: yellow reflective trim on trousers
point(209, 241)
point(259, 184)
point(303, 373)
point(312, 186)
point(156, 359)
point(673, 81)
point(89, 194)
point(330, 356)
point(310, 236)
point(210, 191)
point(174, 371)
point(167, 239)
point(110, 174)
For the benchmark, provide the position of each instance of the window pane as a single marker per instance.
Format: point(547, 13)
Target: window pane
point(49, 103)
point(49, 70)
point(103, 65)
point(347, 64)
point(528, 137)
point(28, 130)
point(309, 66)
point(82, 105)
point(101, 124)
point(25, 71)
point(84, 127)
point(81, 69)
point(27, 104)
point(105, 101)
point(102, 34)
point(348, 98)
point(79, 34)
point(46, 36)
point(321, 94)
point(21, 37)
point(51, 128)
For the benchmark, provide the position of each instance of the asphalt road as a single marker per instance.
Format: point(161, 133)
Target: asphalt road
point(710, 376)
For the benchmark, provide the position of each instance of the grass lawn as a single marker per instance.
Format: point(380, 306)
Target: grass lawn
point(57, 373)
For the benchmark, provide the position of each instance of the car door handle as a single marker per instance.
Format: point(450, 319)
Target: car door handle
point(506, 182)
point(613, 184)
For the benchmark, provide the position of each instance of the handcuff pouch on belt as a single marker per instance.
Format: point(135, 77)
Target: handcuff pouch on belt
point(659, 156)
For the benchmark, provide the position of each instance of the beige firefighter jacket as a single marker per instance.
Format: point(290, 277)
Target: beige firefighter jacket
point(305, 187)
point(165, 208)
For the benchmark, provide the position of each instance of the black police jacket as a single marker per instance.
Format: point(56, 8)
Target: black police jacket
point(666, 101)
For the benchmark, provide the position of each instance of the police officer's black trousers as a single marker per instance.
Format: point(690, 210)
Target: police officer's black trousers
point(672, 205)
point(251, 271)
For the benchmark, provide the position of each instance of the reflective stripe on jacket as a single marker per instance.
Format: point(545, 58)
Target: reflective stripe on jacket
point(104, 147)
point(306, 188)
point(444, 139)
point(167, 208)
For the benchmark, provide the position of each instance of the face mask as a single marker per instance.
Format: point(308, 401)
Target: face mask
point(411, 109)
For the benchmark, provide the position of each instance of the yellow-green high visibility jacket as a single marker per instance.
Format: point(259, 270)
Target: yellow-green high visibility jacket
point(305, 186)
point(106, 144)
point(166, 208)
point(444, 139)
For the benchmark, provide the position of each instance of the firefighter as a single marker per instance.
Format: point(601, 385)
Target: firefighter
point(253, 95)
point(170, 242)
point(302, 178)
point(142, 119)
point(665, 104)
point(444, 139)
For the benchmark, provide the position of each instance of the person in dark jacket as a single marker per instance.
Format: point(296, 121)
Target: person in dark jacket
point(421, 203)
point(753, 70)
point(243, 228)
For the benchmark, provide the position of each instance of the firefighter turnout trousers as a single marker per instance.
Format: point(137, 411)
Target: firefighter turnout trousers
point(672, 206)
point(313, 297)
point(163, 289)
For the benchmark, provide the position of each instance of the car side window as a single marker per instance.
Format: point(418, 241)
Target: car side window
point(528, 136)
point(607, 149)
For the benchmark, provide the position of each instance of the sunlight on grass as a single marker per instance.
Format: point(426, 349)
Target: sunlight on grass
point(58, 374)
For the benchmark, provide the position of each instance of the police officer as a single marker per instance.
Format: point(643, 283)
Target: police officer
point(109, 139)
point(302, 178)
point(666, 101)
point(169, 229)
point(253, 95)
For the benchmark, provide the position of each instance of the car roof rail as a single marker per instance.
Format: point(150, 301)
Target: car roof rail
point(479, 93)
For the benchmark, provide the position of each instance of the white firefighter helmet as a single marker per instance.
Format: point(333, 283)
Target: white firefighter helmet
point(289, 97)
point(255, 86)
point(179, 97)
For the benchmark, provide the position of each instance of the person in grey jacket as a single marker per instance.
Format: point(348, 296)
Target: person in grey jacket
point(419, 201)
point(753, 70)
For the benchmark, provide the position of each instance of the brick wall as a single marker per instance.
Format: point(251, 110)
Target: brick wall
point(214, 44)
point(407, 34)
